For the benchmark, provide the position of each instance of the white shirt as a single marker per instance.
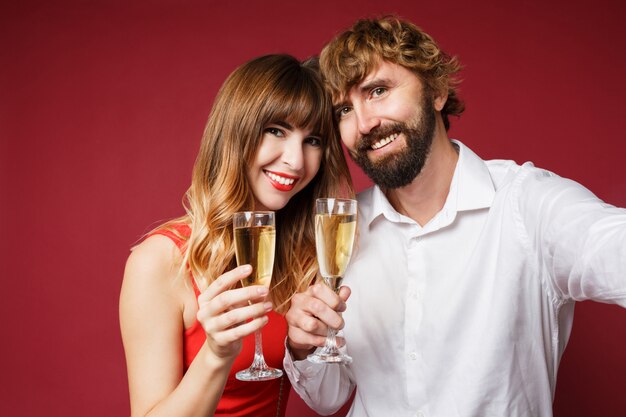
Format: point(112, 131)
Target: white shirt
point(469, 315)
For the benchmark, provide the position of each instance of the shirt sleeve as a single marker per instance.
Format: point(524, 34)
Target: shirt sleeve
point(579, 239)
point(324, 388)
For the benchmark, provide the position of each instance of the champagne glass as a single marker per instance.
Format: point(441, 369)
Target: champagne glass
point(255, 238)
point(335, 226)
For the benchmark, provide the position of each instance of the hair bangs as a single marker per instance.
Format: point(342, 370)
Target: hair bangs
point(300, 101)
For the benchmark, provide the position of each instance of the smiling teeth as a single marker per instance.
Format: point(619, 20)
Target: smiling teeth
point(281, 180)
point(385, 141)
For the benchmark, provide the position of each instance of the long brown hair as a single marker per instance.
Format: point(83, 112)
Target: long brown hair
point(265, 90)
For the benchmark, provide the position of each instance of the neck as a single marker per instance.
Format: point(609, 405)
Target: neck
point(426, 194)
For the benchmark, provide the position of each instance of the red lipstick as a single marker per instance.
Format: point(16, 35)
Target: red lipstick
point(278, 185)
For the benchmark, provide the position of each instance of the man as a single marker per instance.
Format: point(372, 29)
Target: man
point(465, 273)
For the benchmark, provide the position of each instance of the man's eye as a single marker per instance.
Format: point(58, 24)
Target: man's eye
point(342, 111)
point(378, 91)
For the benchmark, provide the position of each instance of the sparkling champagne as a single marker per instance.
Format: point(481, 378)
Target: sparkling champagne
point(255, 246)
point(334, 237)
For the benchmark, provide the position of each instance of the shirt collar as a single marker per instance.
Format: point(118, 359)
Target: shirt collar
point(475, 189)
point(471, 189)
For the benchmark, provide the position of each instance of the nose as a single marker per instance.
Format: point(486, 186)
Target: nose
point(293, 155)
point(366, 119)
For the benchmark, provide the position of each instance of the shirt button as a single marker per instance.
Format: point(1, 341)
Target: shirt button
point(420, 414)
point(413, 356)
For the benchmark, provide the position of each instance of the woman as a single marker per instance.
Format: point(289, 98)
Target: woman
point(187, 325)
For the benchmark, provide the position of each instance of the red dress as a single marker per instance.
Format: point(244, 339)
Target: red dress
point(263, 398)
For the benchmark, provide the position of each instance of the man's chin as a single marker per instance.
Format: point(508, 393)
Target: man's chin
point(390, 172)
point(386, 162)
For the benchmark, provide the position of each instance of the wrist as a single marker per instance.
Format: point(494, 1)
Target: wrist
point(215, 361)
point(299, 352)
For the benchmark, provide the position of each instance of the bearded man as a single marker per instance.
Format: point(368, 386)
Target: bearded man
point(465, 275)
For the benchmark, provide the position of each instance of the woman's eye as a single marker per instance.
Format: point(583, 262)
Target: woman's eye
point(313, 141)
point(275, 131)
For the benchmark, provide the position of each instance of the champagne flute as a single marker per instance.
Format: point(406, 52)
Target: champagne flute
point(335, 226)
point(255, 237)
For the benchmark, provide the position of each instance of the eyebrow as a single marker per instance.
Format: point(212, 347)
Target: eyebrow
point(339, 105)
point(364, 87)
point(288, 126)
point(282, 123)
point(375, 82)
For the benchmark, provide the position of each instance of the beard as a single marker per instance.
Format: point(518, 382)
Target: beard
point(400, 168)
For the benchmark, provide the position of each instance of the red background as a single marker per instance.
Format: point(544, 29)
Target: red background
point(102, 105)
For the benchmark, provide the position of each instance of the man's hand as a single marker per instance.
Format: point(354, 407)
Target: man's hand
point(310, 315)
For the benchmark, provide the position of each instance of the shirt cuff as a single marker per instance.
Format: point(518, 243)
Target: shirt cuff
point(297, 370)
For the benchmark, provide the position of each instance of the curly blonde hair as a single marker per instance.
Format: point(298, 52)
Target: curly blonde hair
point(349, 57)
point(265, 90)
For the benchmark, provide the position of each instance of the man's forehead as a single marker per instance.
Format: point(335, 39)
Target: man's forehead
point(380, 71)
point(374, 72)
point(340, 97)
point(384, 72)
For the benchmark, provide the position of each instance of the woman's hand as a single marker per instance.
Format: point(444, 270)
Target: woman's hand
point(228, 315)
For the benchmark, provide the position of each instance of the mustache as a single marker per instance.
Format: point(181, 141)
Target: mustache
point(376, 134)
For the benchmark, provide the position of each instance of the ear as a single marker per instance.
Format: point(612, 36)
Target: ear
point(440, 100)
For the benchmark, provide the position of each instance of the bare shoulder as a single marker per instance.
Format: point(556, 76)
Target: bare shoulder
point(157, 253)
point(151, 275)
point(151, 308)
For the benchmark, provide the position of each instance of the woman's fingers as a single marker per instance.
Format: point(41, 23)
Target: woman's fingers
point(221, 295)
point(236, 298)
point(225, 282)
point(237, 333)
point(228, 314)
point(237, 316)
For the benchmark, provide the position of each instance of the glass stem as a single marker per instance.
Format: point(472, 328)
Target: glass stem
point(330, 346)
point(259, 360)
point(331, 341)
